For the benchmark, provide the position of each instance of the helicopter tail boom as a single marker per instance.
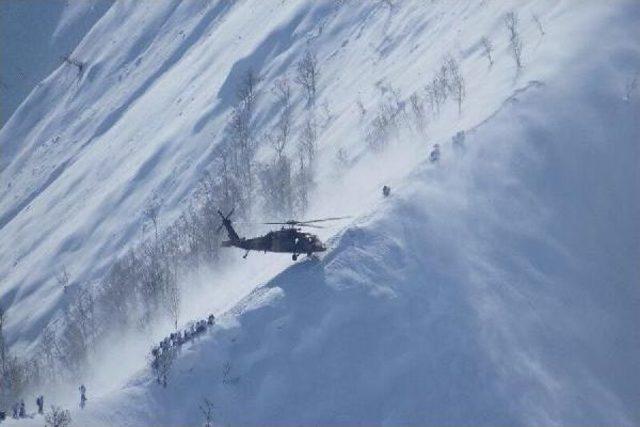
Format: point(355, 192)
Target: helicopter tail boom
point(233, 236)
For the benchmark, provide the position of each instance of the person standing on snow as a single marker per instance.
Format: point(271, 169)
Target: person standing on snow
point(40, 403)
point(83, 396)
point(434, 156)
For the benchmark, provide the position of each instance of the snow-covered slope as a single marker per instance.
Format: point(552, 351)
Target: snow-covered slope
point(35, 36)
point(497, 286)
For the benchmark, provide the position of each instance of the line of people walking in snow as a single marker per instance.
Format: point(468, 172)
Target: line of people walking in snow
point(174, 341)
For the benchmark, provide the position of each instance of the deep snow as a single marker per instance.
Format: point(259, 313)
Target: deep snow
point(497, 287)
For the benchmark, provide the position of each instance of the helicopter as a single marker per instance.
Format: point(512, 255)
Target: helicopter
point(289, 239)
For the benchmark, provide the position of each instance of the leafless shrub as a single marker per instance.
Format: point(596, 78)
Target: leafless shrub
point(57, 417)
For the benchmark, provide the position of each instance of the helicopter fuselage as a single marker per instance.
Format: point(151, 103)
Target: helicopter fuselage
point(289, 239)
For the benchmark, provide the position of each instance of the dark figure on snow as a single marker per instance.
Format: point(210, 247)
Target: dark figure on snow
point(435, 153)
point(3, 415)
point(211, 319)
point(201, 327)
point(83, 396)
point(458, 141)
point(40, 403)
point(386, 190)
point(23, 410)
point(14, 410)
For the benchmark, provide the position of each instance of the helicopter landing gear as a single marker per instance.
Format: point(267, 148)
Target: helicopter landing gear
point(294, 257)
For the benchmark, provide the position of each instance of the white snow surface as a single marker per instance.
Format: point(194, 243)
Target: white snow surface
point(499, 286)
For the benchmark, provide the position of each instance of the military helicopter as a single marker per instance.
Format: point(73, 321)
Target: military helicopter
point(289, 239)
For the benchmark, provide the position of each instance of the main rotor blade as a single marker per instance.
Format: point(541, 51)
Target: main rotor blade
point(294, 222)
point(324, 219)
point(310, 226)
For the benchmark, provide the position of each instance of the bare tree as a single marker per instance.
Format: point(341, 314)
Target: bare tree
point(13, 381)
point(487, 51)
point(207, 411)
point(307, 76)
point(57, 417)
point(304, 178)
point(49, 351)
point(246, 91)
point(239, 146)
point(437, 90)
point(275, 176)
point(80, 331)
point(455, 82)
point(383, 126)
point(308, 141)
point(511, 21)
point(242, 128)
point(282, 90)
point(417, 107)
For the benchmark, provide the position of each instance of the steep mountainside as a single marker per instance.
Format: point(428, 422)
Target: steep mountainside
point(496, 286)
